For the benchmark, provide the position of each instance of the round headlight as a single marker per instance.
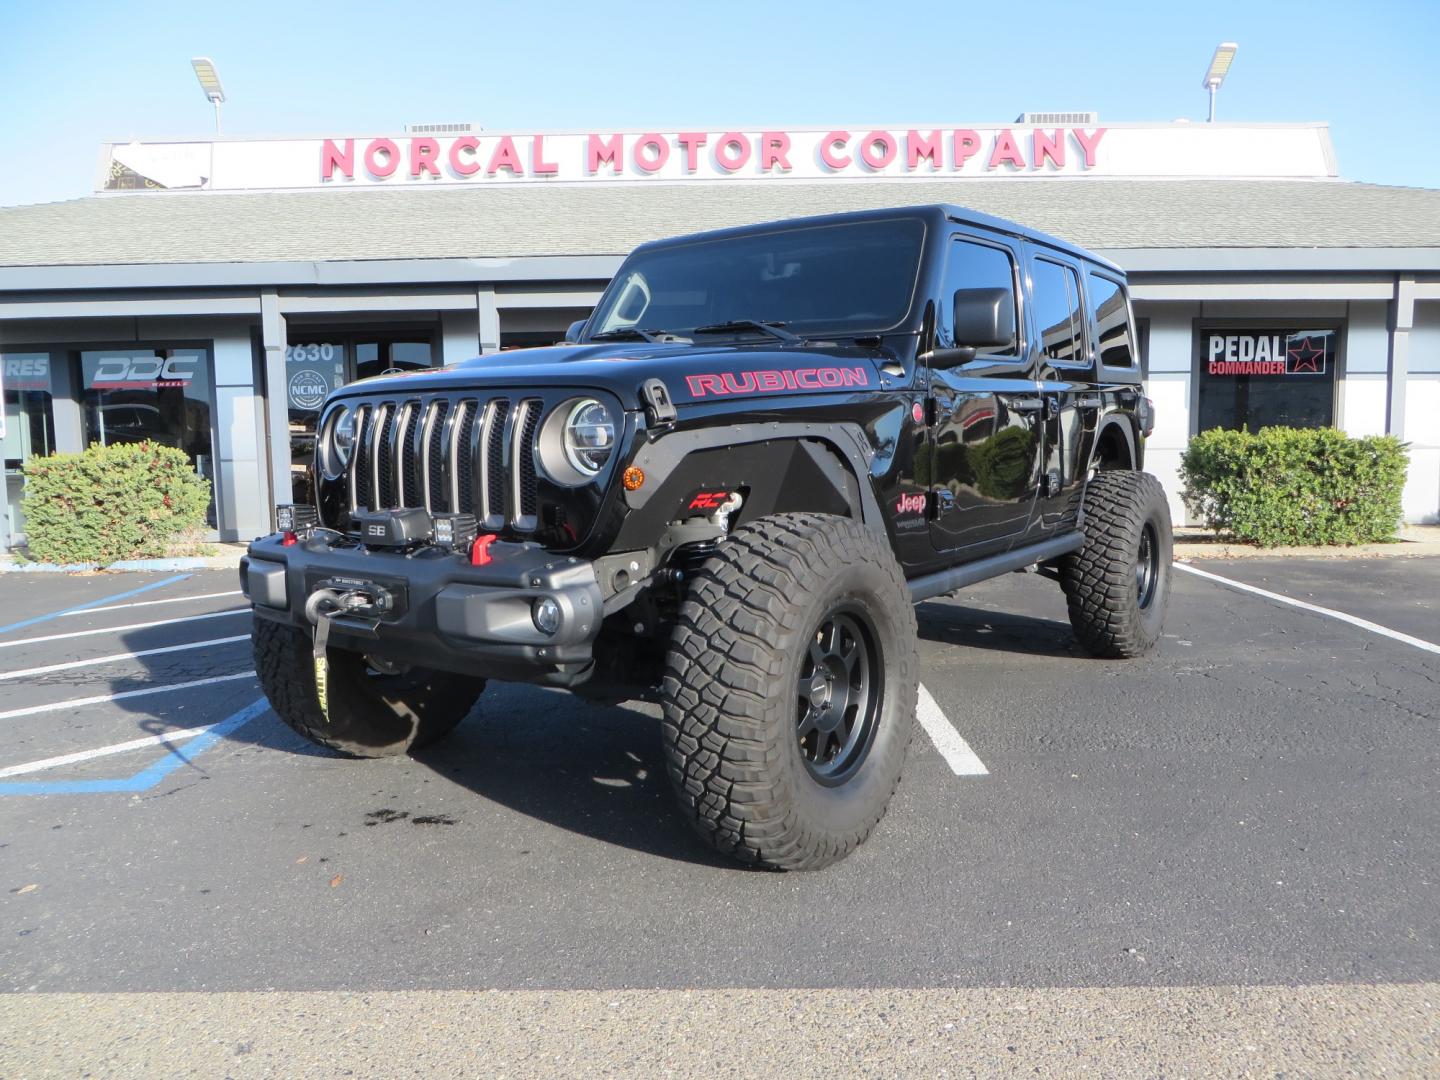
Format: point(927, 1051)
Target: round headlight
point(338, 443)
point(589, 436)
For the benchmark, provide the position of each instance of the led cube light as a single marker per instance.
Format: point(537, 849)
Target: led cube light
point(454, 531)
point(296, 518)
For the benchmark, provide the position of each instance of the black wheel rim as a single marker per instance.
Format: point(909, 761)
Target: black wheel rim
point(838, 696)
point(1147, 566)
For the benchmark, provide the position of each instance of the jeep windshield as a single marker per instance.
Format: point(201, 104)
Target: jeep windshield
point(848, 279)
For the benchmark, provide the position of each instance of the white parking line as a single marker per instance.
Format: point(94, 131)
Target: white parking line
point(75, 703)
point(148, 603)
point(119, 629)
point(1353, 620)
point(114, 658)
point(954, 749)
point(103, 751)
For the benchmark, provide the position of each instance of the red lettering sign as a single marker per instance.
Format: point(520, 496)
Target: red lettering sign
point(729, 383)
point(598, 155)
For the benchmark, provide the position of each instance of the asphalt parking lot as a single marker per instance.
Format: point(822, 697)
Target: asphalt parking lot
point(1255, 805)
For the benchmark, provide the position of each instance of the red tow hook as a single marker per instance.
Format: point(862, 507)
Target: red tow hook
point(480, 549)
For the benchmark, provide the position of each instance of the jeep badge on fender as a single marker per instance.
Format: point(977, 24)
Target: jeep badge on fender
point(726, 491)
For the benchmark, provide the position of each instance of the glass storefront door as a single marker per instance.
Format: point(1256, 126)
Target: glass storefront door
point(29, 426)
point(162, 395)
point(317, 363)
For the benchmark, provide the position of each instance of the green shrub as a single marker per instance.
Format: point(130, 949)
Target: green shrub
point(1295, 485)
point(129, 501)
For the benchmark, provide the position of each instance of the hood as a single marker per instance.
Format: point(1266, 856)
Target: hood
point(691, 373)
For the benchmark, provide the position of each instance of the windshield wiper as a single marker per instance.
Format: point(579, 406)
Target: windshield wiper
point(622, 332)
point(774, 329)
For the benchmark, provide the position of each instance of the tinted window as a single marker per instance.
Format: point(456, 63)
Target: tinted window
point(974, 266)
point(29, 423)
point(836, 277)
point(1254, 378)
point(1056, 304)
point(1112, 322)
point(159, 395)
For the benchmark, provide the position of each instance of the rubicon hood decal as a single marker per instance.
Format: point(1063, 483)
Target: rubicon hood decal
point(777, 380)
point(693, 374)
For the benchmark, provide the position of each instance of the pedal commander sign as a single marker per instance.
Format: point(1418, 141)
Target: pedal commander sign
point(1269, 352)
point(854, 152)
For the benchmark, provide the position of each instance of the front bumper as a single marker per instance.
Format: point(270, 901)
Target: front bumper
point(440, 611)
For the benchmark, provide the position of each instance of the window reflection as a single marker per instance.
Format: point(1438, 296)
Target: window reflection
point(161, 395)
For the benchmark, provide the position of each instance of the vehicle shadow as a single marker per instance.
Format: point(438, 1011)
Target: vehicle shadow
point(951, 623)
point(593, 770)
point(588, 769)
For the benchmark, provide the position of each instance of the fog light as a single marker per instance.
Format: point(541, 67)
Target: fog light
point(454, 531)
point(546, 613)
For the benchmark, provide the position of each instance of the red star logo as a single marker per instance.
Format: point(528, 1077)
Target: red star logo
point(1304, 356)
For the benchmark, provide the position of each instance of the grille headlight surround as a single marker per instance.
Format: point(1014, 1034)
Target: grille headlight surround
point(337, 442)
point(577, 441)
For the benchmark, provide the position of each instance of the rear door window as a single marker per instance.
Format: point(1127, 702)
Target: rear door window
point(1058, 314)
point(1111, 316)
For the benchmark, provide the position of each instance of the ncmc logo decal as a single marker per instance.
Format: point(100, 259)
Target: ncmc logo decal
point(308, 389)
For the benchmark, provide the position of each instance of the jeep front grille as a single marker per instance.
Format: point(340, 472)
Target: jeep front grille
point(449, 455)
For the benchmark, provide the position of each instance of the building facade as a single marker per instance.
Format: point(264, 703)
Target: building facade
point(209, 295)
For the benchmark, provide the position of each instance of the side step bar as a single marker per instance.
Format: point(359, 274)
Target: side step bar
point(957, 577)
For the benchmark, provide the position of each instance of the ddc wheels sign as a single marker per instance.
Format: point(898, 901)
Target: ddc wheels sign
point(121, 372)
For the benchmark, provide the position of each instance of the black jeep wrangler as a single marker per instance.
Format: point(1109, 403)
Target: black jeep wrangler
point(724, 492)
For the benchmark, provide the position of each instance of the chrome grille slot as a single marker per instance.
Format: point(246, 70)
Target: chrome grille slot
point(494, 464)
point(522, 467)
point(460, 458)
point(432, 456)
point(360, 461)
point(407, 479)
point(385, 460)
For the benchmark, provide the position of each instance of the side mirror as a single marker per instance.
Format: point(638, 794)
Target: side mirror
point(983, 318)
point(573, 334)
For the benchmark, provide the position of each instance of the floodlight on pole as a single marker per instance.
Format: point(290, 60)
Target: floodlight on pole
point(210, 83)
point(1218, 69)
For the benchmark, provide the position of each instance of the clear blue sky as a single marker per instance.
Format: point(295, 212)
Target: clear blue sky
point(75, 73)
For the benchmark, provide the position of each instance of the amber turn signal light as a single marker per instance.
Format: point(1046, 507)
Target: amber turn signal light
point(634, 478)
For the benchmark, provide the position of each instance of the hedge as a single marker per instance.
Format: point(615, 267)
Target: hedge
point(127, 501)
point(1295, 485)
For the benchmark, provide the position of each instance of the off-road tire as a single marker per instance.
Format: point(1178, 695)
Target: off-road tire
point(1115, 610)
point(731, 716)
point(369, 715)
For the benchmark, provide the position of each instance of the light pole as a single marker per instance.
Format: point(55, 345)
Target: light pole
point(210, 83)
point(1215, 74)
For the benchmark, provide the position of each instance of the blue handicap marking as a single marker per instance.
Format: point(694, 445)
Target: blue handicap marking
point(149, 776)
point(94, 603)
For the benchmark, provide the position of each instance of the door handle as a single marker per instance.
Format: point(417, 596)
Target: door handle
point(1026, 404)
point(1088, 402)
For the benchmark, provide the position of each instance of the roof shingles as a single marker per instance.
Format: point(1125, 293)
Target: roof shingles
point(610, 219)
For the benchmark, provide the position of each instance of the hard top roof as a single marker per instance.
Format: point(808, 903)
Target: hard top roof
point(933, 214)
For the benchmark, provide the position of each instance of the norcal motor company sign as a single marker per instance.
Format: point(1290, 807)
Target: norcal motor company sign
point(705, 153)
point(858, 153)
